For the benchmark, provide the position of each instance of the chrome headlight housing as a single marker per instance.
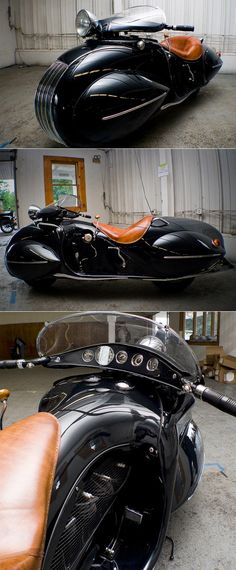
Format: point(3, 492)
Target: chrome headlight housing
point(85, 23)
point(33, 212)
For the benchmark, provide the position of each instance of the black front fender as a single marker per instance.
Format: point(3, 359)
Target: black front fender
point(29, 260)
point(99, 423)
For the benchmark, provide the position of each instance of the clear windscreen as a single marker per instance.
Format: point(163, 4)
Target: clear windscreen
point(103, 328)
point(138, 15)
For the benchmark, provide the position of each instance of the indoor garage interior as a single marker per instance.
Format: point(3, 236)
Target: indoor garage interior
point(122, 186)
point(203, 529)
point(34, 33)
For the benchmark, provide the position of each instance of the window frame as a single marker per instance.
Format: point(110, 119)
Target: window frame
point(200, 342)
point(80, 179)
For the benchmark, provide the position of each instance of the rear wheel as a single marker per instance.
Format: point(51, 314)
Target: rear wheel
point(174, 286)
point(41, 284)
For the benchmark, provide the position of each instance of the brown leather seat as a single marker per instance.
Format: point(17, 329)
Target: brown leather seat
point(186, 47)
point(126, 235)
point(28, 457)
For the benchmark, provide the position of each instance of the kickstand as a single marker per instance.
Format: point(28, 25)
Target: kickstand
point(172, 547)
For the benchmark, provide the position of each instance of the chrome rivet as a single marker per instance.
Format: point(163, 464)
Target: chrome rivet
point(123, 386)
point(141, 45)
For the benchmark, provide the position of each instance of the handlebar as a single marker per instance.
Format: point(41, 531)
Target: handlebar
point(72, 214)
point(180, 28)
point(21, 363)
point(216, 399)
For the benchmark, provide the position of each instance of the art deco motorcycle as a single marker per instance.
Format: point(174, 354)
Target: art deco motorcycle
point(112, 84)
point(129, 452)
point(171, 252)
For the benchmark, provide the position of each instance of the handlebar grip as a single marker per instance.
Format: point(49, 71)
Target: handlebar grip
point(21, 363)
point(216, 399)
point(184, 28)
point(12, 364)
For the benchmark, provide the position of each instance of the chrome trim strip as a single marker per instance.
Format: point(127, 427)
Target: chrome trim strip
point(126, 277)
point(109, 117)
point(192, 256)
point(27, 262)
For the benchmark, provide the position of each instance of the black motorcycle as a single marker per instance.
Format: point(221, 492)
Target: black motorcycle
point(7, 221)
point(125, 422)
point(112, 84)
point(171, 252)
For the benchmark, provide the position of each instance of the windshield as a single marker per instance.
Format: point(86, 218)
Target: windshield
point(137, 18)
point(103, 328)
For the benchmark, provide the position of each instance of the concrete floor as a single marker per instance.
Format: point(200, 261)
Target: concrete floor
point(207, 121)
point(204, 528)
point(210, 292)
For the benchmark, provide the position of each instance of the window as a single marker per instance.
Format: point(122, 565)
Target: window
point(200, 327)
point(7, 186)
point(65, 176)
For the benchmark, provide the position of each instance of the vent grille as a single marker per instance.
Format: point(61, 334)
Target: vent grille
point(90, 502)
point(44, 98)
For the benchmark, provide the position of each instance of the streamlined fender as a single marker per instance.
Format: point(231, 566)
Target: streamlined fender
point(116, 103)
point(190, 464)
point(96, 423)
point(188, 253)
point(31, 260)
point(80, 92)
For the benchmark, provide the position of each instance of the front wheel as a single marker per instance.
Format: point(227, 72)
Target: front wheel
point(7, 228)
point(41, 284)
point(174, 286)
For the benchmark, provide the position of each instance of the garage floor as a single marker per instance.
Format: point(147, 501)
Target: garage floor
point(210, 292)
point(205, 121)
point(204, 528)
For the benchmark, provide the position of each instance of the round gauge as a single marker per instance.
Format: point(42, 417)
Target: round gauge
point(88, 355)
point(121, 357)
point(152, 364)
point(104, 355)
point(137, 359)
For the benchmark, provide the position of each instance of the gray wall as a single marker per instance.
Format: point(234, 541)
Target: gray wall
point(7, 37)
point(45, 28)
point(198, 184)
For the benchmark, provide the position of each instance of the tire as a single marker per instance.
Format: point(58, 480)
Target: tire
point(7, 228)
point(41, 284)
point(174, 286)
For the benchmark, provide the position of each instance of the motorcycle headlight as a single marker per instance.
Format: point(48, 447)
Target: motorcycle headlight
point(33, 212)
point(85, 23)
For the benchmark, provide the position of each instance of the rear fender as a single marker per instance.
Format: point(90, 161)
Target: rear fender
point(31, 260)
point(117, 103)
point(185, 242)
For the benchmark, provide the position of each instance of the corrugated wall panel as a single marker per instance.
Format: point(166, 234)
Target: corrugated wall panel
point(133, 184)
point(50, 24)
point(200, 184)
